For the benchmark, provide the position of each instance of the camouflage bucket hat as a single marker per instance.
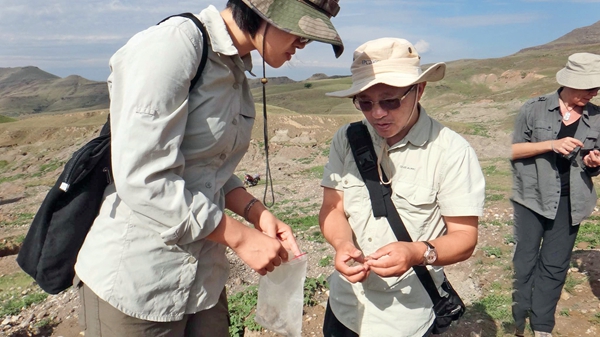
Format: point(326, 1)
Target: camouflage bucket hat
point(305, 18)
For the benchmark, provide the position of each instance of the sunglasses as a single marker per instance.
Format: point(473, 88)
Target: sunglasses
point(385, 104)
point(304, 40)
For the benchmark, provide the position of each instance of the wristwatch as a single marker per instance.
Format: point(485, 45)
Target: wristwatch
point(430, 255)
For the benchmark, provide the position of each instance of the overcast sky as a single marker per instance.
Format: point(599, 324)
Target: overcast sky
point(66, 37)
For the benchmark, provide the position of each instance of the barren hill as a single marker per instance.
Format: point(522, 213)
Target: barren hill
point(588, 35)
point(30, 90)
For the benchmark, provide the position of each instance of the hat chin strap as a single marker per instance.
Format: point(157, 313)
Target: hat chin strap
point(413, 108)
point(263, 80)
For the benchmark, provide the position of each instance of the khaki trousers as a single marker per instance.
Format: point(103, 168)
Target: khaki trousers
point(97, 318)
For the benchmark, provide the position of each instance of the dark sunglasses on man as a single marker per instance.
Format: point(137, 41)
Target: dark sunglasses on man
point(385, 104)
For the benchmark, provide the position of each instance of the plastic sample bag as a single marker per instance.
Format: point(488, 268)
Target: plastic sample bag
point(281, 298)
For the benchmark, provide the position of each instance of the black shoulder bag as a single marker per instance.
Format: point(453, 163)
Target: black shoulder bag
point(57, 232)
point(447, 309)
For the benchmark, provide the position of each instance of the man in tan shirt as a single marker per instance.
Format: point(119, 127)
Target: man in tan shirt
point(438, 191)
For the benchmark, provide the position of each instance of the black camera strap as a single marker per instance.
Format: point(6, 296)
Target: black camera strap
point(366, 161)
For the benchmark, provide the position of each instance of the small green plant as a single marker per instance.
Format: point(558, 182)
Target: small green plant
point(311, 287)
point(12, 178)
point(241, 307)
point(304, 160)
point(489, 251)
point(308, 85)
point(565, 312)
point(489, 170)
point(325, 261)
point(316, 236)
point(497, 306)
point(494, 197)
point(14, 306)
point(46, 322)
point(570, 283)
point(589, 232)
point(313, 172)
point(509, 238)
point(300, 223)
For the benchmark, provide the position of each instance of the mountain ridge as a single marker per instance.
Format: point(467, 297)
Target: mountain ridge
point(30, 90)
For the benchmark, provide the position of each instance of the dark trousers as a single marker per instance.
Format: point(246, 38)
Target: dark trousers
point(332, 327)
point(541, 261)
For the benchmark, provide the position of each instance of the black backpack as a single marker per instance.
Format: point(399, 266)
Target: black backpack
point(57, 232)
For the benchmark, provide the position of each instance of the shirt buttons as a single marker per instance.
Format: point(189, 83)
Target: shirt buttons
point(223, 156)
point(234, 122)
point(370, 239)
point(236, 86)
point(192, 260)
point(208, 185)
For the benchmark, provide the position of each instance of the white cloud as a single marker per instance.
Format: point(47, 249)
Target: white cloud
point(422, 47)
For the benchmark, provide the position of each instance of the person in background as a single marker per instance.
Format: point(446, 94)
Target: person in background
point(154, 262)
point(554, 157)
point(438, 190)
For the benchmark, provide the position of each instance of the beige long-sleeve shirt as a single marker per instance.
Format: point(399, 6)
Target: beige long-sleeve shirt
point(173, 157)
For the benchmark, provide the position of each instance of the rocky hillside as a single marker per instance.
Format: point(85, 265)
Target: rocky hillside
point(588, 35)
point(30, 90)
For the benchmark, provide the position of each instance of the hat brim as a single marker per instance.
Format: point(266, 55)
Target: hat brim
point(579, 81)
point(301, 19)
point(434, 73)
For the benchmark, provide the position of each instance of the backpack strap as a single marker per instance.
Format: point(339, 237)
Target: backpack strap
point(366, 161)
point(106, 128)
point(205, 37)
point(381, 200)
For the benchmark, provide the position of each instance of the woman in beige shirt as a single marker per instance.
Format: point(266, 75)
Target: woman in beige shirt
point(154, 263)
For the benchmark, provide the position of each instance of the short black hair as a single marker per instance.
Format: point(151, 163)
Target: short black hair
point(245, 17)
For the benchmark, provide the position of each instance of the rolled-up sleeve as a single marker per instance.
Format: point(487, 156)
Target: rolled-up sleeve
point(522, 131)
point(462, 184)
point(149, 87)
point(333, 170)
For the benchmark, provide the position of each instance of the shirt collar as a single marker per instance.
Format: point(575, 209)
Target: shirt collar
point(553, 104)
point(220, 40)
point(552, 100)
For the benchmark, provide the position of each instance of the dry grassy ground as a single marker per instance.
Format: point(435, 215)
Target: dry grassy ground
point(32, 152)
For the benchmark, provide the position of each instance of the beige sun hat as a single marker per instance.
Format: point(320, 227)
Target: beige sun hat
point(390, 61)
point(581, 72)
point(310, 19)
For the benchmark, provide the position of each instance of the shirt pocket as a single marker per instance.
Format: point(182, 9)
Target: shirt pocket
point(591, 139)
point(542, 132)
point(417, 207)
point(356, 199)
point(414, 199)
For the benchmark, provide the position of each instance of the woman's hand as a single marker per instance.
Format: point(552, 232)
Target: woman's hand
point(259, 251)
point(275, 228)
point(592, 159)
point(565, 145)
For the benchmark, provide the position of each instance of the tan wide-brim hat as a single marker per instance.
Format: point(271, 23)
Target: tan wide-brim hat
point(390, 61)
point(310, 19)
point(581, 72)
